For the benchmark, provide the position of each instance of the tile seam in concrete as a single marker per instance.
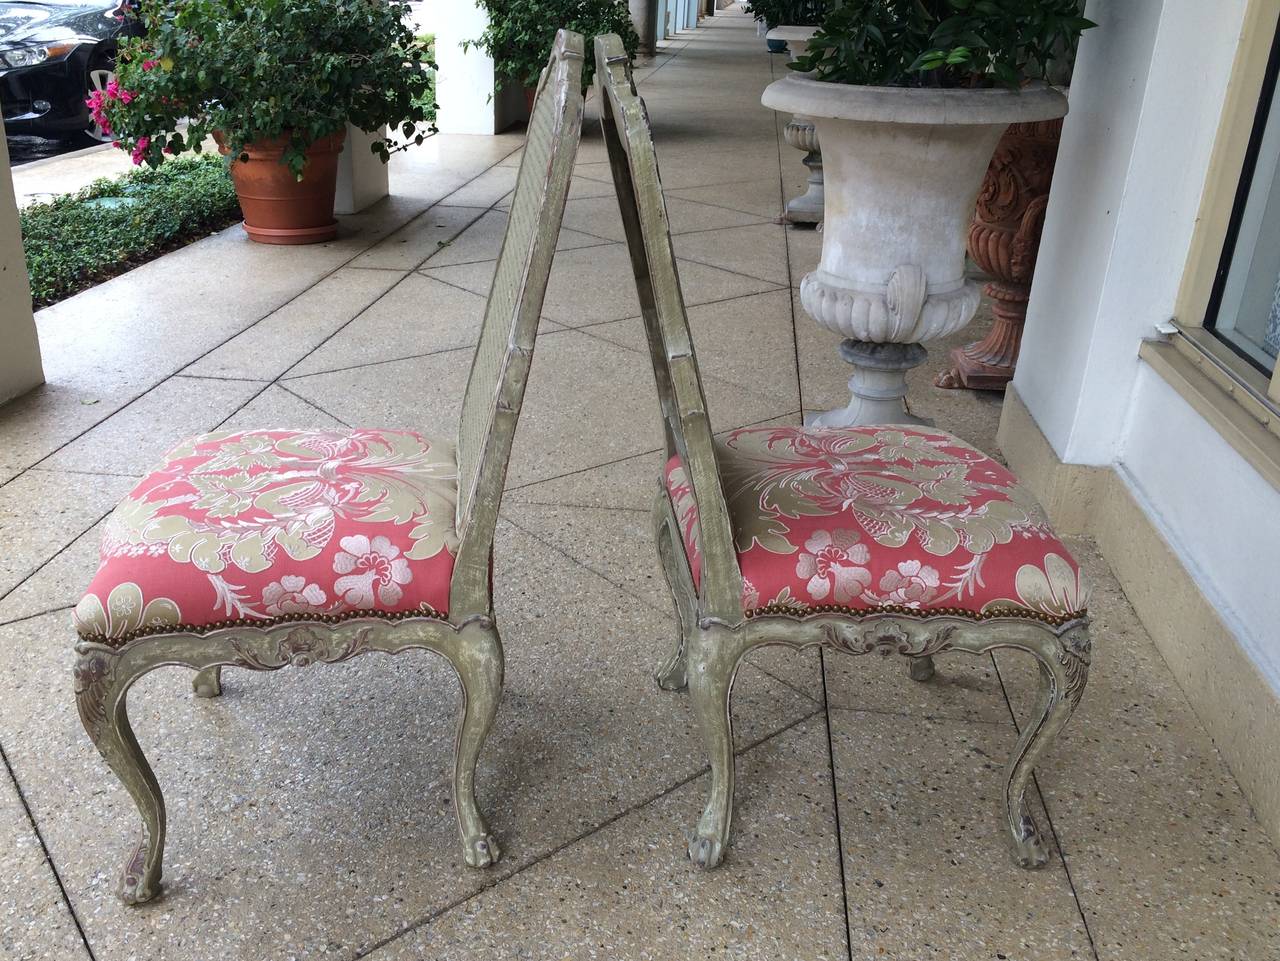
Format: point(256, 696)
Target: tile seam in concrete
point(627, 457)
point(44, 848)
point(705, 376)
point(612, 819)
point(52, 557)
point(941, 718)
point(313, 405)
point(835, 802)
point(1053, 829)
point(279, 307)
point(31, 617)
point(334, 333)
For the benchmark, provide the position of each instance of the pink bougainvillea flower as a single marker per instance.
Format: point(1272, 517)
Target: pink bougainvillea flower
point(126, 96)
point(140, 149)
point(150, 64)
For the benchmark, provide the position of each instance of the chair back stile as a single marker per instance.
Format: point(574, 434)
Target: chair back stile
point(500, 367)
point(683, 403)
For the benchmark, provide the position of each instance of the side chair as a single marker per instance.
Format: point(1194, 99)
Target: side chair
point(867, 539)
point(262, 549)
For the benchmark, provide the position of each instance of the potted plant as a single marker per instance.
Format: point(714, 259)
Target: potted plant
point(520, 34)
point(794, 13)
point(274, 82)
point(909, 98)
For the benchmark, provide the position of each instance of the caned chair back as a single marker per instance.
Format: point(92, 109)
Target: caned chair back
point(500, 366)
point(675, 366)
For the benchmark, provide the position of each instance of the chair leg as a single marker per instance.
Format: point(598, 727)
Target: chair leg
point(100, 697)
point(479, 667)
point(712, 666)
point(1062, 680)
point(208, 683)
point(920, 668)
point(672, 675)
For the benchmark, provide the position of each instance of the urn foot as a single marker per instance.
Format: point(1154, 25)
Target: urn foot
point(878, 386)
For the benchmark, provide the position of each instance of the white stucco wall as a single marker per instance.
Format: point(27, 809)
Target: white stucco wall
point(1219, 514)
point(20, 368)
point(1146, 102)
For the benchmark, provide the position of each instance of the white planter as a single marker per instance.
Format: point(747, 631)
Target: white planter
point(806, 209)
point(902, 171)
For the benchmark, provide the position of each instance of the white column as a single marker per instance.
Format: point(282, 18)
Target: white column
point(362, 176)
point(465, 80)
point(20, 367)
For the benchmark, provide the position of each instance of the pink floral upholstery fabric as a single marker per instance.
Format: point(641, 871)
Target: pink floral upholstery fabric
point(263, 525)
point(864, 518)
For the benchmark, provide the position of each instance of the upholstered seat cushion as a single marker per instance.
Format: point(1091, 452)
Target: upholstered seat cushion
point(251, 527)
point(854, 519)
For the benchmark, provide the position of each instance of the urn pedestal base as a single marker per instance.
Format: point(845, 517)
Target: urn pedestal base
point(989, 364)
point(878, 386)
point(806, 209)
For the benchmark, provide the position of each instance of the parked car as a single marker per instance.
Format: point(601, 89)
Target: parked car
point(53, 53)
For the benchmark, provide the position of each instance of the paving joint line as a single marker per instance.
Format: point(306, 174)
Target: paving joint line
point(223, 343)
point(48, 858)
point(36, 570)
point(564, 845)
point(334, 333)
point(1044, 802)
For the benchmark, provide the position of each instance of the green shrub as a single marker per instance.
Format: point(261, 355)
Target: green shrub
point(520, 34)
point(113, 225)
point(254, 70)
point(943, 43)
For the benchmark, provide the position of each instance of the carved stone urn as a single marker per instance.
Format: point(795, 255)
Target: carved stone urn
point(1004, 239)
point(806, 209)
point(902, 168)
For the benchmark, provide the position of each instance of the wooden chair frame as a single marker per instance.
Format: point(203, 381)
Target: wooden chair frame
point(714, 632)
point(468, 639)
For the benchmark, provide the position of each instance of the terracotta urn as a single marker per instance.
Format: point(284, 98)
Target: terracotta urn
point(1004, 240)
point(902, 169)
point(278, 208)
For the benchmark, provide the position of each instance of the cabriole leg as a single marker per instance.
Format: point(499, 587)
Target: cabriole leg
point(671, 676)
point(713, 661)
point(208, 683)
point(920, 668)
point(1062, 678)
point(479, 667)
point(100, 697)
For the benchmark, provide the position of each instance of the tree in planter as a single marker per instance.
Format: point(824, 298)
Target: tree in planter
point(269, 79)
point(942, 43)
point(795, 13)
point(256, 70)
point(520, 34)
point(909, 98)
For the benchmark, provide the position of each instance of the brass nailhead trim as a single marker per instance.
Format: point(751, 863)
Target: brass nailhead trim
point(265, 622)
point(915, 612)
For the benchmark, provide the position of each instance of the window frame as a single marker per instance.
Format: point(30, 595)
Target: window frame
point(1235, 380)
point(1244, 185)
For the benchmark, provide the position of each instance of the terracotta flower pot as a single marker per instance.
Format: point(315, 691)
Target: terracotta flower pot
point(279, 209)
point(1004, 240)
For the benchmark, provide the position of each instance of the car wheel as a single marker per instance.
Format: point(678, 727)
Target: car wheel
point(100, 73)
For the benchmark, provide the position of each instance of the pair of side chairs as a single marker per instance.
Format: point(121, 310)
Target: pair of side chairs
point(262, 549)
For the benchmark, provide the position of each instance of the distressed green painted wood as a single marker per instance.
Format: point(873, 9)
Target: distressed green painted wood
point(468, 639)
point(714, 633)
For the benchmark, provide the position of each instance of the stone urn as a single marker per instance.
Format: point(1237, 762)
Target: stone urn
point(806, 209)
point(902, 167)
point(1004, 239)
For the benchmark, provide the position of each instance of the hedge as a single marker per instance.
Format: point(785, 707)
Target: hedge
point(112, 226)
